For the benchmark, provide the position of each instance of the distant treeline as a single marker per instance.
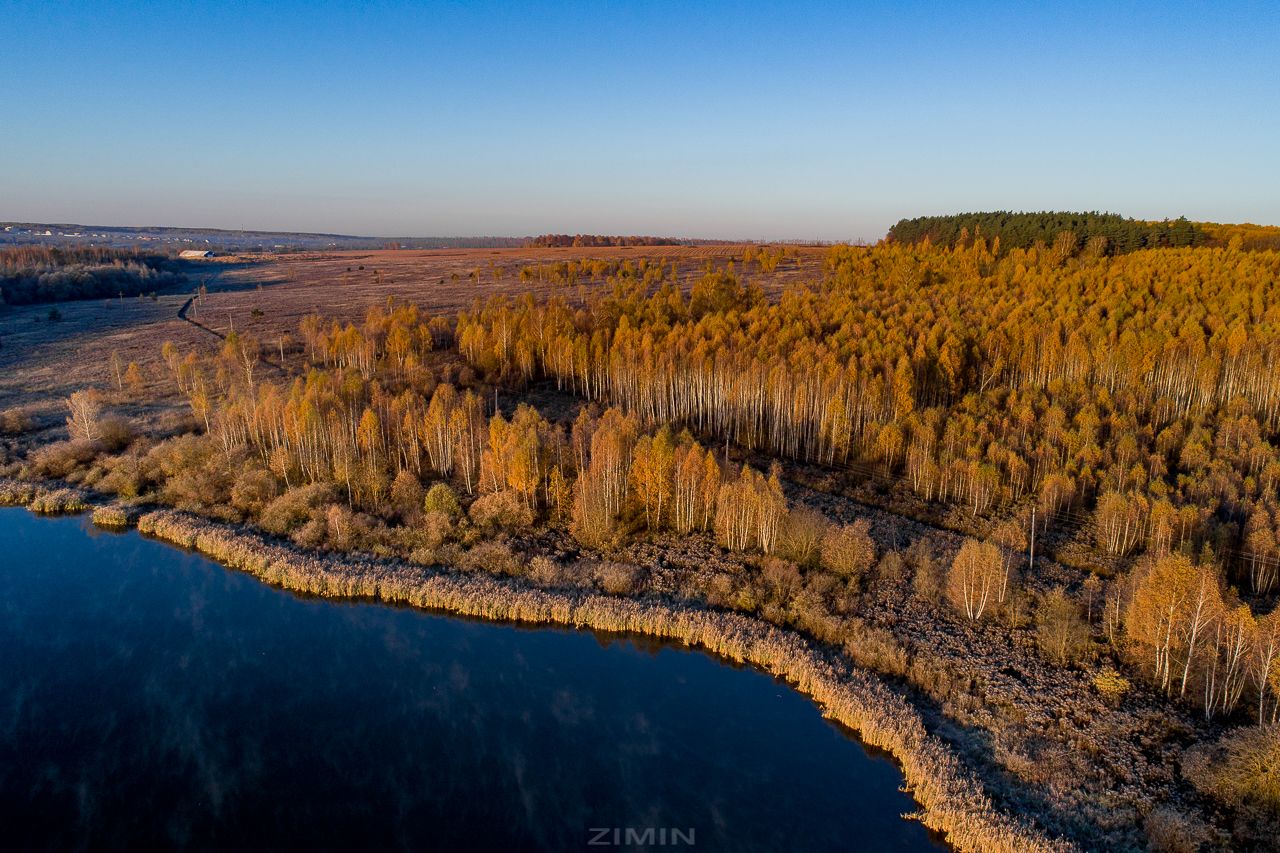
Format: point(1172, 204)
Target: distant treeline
point(454, 243)
point(1114, 234)
point(47, 274)
point(596, 240)
point(1245, 236)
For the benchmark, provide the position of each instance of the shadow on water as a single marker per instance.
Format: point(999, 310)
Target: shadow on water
point(149, 697)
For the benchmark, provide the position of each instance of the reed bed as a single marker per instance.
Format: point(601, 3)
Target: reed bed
point(951, 798)
point(111, 515)
point(42, 499)
point(14, 493)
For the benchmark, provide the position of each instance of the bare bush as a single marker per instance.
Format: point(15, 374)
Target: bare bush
point(192, 472)
point(115, 433)
point(123, 474)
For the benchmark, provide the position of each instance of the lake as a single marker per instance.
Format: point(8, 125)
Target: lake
point(152, 698)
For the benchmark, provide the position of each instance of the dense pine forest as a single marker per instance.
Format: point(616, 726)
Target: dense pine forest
point(1098, 233)
point(1119, 407)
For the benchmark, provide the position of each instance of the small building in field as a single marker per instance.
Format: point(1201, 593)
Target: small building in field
point(194, 254)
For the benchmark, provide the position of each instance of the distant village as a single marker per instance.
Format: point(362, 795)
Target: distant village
point(176, 240)
point(184, 240)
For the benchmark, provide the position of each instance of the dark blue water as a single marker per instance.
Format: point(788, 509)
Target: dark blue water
point(151, 698)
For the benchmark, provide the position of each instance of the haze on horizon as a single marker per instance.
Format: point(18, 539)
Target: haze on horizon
point(718, 121)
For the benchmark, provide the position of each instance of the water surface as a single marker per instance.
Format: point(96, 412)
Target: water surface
point(151, 698)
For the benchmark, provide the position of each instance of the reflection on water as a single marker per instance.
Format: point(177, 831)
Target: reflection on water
point(149, 697)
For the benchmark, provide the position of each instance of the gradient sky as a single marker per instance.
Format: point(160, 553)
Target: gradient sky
point(716, 120)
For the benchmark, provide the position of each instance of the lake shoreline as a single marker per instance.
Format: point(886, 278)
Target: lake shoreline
point(951, 798)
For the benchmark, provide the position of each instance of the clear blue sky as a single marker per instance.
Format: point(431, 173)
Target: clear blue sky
point(689, 118)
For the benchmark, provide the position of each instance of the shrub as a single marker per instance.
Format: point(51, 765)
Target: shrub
point(937, 677)
point(312, 532)
point(501, 510)
point(253, 490)
point(618, 578)
point(437, 528)
point(927, 583)
point(1170, 831)
point(406, 494)
point(293, 508)
point(1061, 632)
point(59, 459)
point(449, 555)
point(123, 474)
point(802, 535)
point(493, 556)
point(17, 420)
point(848, 550)
point(781, 576)
point(423, 556)
point(441, 498)
point(191, 471)
point(891, 571)
point(545, 571)
point(747, 598)
point(1111, 685)
point(811, 613)
point(115, 434)
point(874, 648)
point(1242, 767)
point(720, 590)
